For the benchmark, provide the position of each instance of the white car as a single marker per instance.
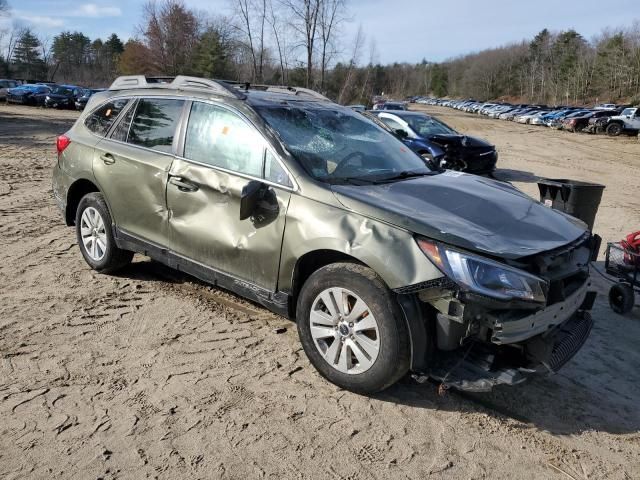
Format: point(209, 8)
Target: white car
point(529, 117)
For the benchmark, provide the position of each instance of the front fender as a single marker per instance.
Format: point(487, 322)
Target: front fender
point(390, 251)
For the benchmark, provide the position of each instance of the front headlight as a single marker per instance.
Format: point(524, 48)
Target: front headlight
point(484, 276)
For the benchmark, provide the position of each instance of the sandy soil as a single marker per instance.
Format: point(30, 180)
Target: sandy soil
point(152, 374)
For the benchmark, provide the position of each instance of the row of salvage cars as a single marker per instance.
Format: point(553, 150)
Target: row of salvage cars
point(45, 94)
point(606, 118)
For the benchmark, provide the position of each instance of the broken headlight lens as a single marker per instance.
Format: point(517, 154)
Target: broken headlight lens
point(484, 276)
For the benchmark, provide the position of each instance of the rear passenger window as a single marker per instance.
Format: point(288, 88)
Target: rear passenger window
point(100, 121)
point(218, 137)
point(121, 131)
point(154, 123)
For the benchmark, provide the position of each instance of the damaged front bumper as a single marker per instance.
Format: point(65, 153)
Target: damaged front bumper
point(480, 366)
point(482, 342)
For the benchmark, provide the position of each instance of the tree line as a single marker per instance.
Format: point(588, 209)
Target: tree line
point(552, 68)
point(302, 43)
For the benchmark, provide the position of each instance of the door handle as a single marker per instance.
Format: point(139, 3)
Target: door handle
point(108, 159)
point(183, 185)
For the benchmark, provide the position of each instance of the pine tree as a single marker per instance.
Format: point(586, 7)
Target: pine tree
point(27, 59)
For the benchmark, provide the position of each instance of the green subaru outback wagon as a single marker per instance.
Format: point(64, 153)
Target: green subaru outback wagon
point(317, 213)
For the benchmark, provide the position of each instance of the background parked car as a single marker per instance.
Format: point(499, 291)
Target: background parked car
point(464, 153)
point(392, 106)
point(5, 85)
point(628, 121)
point(28, 94)
point(432, 153)
point(63, 96)
point(81, 101)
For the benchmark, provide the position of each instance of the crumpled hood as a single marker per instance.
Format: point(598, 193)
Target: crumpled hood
point(467, 211)
point(460, 141)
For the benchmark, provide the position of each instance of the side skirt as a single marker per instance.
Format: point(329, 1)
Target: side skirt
point(277, 302)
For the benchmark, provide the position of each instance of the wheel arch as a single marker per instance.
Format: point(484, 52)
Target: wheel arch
point(77, 190)
point(312, 261)
point(416, 315)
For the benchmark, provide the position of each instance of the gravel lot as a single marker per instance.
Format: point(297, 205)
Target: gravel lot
point(152, 374)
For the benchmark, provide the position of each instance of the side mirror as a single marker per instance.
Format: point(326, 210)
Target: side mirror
point(400, 133)
point(251, 194)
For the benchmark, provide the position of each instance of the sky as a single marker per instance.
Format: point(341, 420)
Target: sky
point(404, 30)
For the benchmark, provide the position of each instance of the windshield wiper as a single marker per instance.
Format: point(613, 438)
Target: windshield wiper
point(407, 174)
point(353, 180)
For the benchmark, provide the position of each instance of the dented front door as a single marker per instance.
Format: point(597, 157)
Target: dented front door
point(222, 154)
point(205, 225)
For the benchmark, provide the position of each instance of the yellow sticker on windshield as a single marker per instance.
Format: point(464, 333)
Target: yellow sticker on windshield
point(225, 130)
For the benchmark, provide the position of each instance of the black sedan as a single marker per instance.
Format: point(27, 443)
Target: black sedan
point(462, 152)
point(63, 96)
point(84, 97)
point(29, 94)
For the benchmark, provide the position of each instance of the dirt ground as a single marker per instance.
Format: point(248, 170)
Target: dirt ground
point(152, 374)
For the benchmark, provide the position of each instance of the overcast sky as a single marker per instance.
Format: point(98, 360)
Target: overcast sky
point(404, 30)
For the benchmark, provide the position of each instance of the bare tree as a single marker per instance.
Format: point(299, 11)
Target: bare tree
point(171, 32)
point(305, 15)
point(358, 42)
point(279, 35)
point(330, 17)
point(246, 12)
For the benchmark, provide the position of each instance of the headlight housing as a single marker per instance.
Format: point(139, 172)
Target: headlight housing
point(483, 276)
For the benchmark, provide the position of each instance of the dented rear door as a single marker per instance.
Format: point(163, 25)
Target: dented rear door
point(132, 166)
point(222, 153)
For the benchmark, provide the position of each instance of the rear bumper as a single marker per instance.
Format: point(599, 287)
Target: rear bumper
point(59, 187)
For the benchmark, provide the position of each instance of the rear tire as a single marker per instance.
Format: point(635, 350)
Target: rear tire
point(95, 235)
point(621, 298)
point(359, 339)
point(614, 129)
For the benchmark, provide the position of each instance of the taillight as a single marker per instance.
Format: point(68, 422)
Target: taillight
point(62, 142)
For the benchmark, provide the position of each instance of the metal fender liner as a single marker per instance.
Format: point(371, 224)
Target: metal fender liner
point(421, 333)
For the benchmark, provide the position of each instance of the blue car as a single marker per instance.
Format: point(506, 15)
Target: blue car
point(28, 94)
point(461, 152)
point(431, 152)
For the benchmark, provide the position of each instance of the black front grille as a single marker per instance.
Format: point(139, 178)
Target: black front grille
point(571, 336)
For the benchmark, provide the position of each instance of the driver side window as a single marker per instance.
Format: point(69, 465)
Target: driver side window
point(217, 137)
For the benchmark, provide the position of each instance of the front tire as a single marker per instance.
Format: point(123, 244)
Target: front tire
point(352, 328)
point(95, 236)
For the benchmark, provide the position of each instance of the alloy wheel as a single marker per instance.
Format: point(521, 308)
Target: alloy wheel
point(344, 330)
point(94, 236)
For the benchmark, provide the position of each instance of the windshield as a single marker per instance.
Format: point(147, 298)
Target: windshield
point(628, 111)
point(62, 91)
point(425, 126)
point(337, 145)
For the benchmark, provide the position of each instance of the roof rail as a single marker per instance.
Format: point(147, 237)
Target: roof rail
point(297, 91)
point(181, 82)
point(245, 87)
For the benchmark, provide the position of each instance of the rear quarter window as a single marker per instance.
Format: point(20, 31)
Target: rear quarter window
point(100, 121)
